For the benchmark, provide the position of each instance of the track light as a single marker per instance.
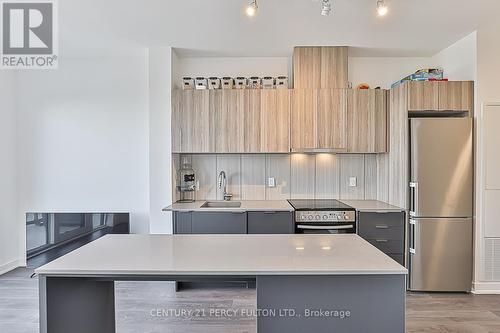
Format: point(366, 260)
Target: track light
point(251, 9)
point(382, 8)
point(326, 7)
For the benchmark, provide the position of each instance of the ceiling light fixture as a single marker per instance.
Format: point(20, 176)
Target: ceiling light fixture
point(382, 8)
point(326, 7)
point(251, 9)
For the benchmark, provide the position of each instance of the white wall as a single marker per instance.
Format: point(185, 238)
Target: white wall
point(459, 59)
point(487, 256)
point(383, 71)
point(160, 157)
point(10, 238)
point(83, 137)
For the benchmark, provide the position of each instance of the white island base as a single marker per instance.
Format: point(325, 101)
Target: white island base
point(317, 283)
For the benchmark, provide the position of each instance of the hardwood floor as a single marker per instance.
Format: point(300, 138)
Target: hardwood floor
point(139, 307)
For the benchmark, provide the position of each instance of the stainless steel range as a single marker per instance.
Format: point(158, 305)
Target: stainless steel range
point(323, 216)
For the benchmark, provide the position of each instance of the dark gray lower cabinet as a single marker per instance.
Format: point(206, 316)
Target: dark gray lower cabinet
point(233, 223)
point(270, 223)
point(182, 223)
point(219, 223)
point(384, 230)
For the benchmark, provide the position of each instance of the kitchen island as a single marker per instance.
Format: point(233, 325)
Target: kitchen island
point(320, 283)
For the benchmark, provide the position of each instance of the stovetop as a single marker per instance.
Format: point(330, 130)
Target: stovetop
point(319, 204)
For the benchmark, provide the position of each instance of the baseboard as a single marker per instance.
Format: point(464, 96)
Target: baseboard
point(10, 266)
point(486, 288)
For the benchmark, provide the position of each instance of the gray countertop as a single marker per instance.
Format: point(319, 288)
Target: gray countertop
point(280, 205)
point(246, 206)
point(372, 206)
point(143, 255)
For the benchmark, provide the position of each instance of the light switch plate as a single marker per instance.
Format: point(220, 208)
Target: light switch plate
point(352, 182)
point(271, 182)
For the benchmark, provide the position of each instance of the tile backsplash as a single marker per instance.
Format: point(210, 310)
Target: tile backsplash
point(295, 175)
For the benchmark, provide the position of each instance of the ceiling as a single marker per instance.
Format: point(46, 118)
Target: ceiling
point(220, 28)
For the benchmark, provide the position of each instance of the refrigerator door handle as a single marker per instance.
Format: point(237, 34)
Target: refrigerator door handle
point(413, 234)
point(413, 198)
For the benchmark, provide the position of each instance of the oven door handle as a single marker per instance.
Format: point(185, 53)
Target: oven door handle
point(318, 227)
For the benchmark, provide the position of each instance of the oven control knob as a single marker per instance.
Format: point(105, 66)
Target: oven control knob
point(339, 217)
point(346, 217)
point(325, 217)
point(310, 217)
point(318, 217)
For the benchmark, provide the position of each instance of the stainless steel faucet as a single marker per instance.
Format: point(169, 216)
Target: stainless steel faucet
point(223, 180)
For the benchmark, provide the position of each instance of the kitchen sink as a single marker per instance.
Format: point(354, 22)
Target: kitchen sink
point(221, 204)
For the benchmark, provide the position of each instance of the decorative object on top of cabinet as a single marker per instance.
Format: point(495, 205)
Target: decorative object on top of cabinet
point(187, 83)
point(201, 83)
point(254, 82)
point(267, 82)
point(282, 82)
point(367, 121)
point(213, 83)
point(240, 82)
point(227, 82)
point(320, 67)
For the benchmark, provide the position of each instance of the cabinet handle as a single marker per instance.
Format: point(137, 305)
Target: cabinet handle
point(381, 240)
point(382, 227)
point(269, 212)
point(238, 212)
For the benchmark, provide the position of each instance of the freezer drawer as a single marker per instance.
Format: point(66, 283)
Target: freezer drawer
point(441, 167)
point(440, 257)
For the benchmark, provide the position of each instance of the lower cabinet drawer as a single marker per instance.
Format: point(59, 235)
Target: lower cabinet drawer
point(388, 245)
point(219, 223)
point(270, 223)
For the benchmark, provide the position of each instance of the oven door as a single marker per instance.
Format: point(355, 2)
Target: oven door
point(344, 228)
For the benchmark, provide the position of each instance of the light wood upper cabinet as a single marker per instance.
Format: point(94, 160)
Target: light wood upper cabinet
point(332, 119)
point(275, 121)
point(367, 121)
point(252, 121)
point(304, 113)
point(423, 96)
point(229, 121)
point(456, 96)
point(192, 129)
point(441, 96)
point(320, 67)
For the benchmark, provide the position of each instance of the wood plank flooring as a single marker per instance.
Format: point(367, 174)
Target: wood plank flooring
point(137, 301)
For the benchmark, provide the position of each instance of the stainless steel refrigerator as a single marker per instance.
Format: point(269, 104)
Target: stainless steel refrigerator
point(441, 204)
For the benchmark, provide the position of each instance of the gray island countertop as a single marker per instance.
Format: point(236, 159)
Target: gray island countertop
point(224, 255)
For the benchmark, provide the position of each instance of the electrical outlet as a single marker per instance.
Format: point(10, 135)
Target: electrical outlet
point(271, 182)
point(352, 182)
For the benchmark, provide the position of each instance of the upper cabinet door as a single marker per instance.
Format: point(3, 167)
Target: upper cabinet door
point(275, 121)
point(456, 96)
point(229, 121)
point(334, 60)
point(191, 127)
point(306, 67)
point(332, 119)
point(423, 96)
point(252, 120)
point(320, 67)
point(304, 119)
point(367, 121)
